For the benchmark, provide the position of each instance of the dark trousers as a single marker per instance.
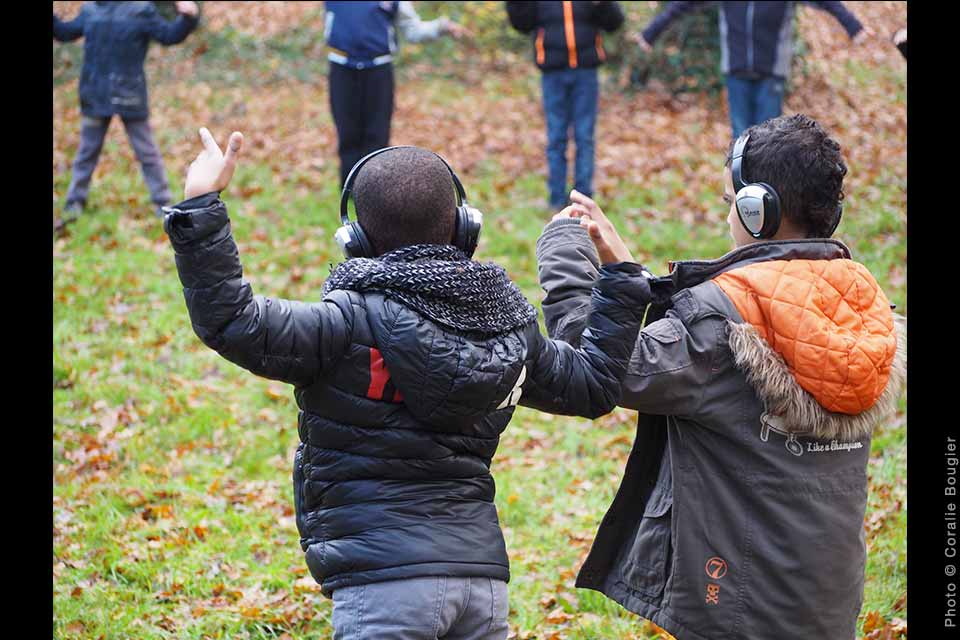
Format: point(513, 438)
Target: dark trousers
point(362, 104)
point(753, 100)
point(92, 133)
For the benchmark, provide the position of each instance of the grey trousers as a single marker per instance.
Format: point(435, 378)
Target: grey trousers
point(92, 133)
point(433, 608)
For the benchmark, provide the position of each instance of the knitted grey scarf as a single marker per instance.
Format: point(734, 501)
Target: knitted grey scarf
point(442, 284)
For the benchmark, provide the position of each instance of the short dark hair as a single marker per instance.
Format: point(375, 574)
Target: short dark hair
point(796, 156)
point(405, 196)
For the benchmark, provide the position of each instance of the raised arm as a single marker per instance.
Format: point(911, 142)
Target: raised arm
point(274, 338)
point(68, 31)
point(586, 380)
point(416, 30)
point(669, 365)
point(172, 32)
point(663, 19)
point(843, 16)
point(568, 264)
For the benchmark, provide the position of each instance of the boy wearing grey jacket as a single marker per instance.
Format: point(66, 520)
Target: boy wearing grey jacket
point(759, 378)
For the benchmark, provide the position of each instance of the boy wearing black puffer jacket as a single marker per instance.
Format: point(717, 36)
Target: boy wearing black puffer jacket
point(406, 372)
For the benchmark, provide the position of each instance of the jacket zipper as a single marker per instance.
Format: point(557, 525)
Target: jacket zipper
point(750, 36)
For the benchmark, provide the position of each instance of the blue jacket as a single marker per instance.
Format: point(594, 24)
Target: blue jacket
point(756, 37)
point(116, 36)
point(361, 35)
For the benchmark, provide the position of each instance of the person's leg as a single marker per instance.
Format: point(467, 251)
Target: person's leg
point(740, 103)
point(556, 107)
point(346, 107)
point(151, 163)
point(586, 92)
point(378, 91)
point(485, 614)
point(92, 133)
point(768, 100)
point(408, 609)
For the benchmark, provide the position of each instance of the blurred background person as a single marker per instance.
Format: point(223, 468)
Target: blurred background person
point(568, 48)
point(112, 82)
point(756, 50)
point(362, 40)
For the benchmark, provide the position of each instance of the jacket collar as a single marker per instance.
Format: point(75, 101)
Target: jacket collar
point(689, 273)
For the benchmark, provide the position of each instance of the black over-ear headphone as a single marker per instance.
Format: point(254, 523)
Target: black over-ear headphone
point(354, 243)
point(758, 204)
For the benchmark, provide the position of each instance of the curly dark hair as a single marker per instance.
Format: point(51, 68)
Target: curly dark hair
point(797, 157)
point(405, 196)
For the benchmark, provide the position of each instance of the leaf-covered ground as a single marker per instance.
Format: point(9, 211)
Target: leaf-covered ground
point(172, 498)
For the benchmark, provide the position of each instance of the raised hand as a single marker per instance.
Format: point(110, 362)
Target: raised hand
point(212, 170)
point(458, 31)
point(187, 8)
point(609, 244)
point(642, 42)
point(863, 35)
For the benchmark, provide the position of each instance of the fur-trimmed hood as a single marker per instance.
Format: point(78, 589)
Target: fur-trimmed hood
point(819, 343)
point(769, 375)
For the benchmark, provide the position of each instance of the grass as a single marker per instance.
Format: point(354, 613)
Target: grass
point(172, 497)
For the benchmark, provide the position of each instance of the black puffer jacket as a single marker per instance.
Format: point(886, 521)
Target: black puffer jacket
point(399, 417)
point(566, 35)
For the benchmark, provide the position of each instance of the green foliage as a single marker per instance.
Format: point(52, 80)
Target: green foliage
point(685, 58)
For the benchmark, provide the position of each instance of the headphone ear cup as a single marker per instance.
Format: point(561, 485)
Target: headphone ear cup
point(467, 233)
point(365, 248)
point(771, 211)
point(750, 202)
point(353, 241)
point(758, 207)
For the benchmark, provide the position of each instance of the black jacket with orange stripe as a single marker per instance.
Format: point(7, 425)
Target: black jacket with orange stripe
point(566, 34)
point(399, 417)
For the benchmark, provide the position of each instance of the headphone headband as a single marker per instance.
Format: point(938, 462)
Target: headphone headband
point(348, 183)
point(736, 162)
point(354, 242)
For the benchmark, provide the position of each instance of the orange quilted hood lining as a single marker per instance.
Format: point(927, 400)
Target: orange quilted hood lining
point(828, 319)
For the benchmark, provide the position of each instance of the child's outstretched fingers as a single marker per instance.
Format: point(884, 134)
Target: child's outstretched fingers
point(604, 252)
point(583, 200)
point(209, 144)
point(230, 159)
point(212, 170)
point(571, 211)
point(609, 245)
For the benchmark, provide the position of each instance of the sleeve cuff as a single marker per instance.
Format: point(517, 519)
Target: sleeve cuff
point(197, 202)
point(565, 231)
point(194, 219)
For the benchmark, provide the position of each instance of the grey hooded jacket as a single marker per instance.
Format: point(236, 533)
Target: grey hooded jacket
point(730, 521)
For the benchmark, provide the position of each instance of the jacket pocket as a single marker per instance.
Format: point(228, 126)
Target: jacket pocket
point(127, 90)
point(645, 566)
